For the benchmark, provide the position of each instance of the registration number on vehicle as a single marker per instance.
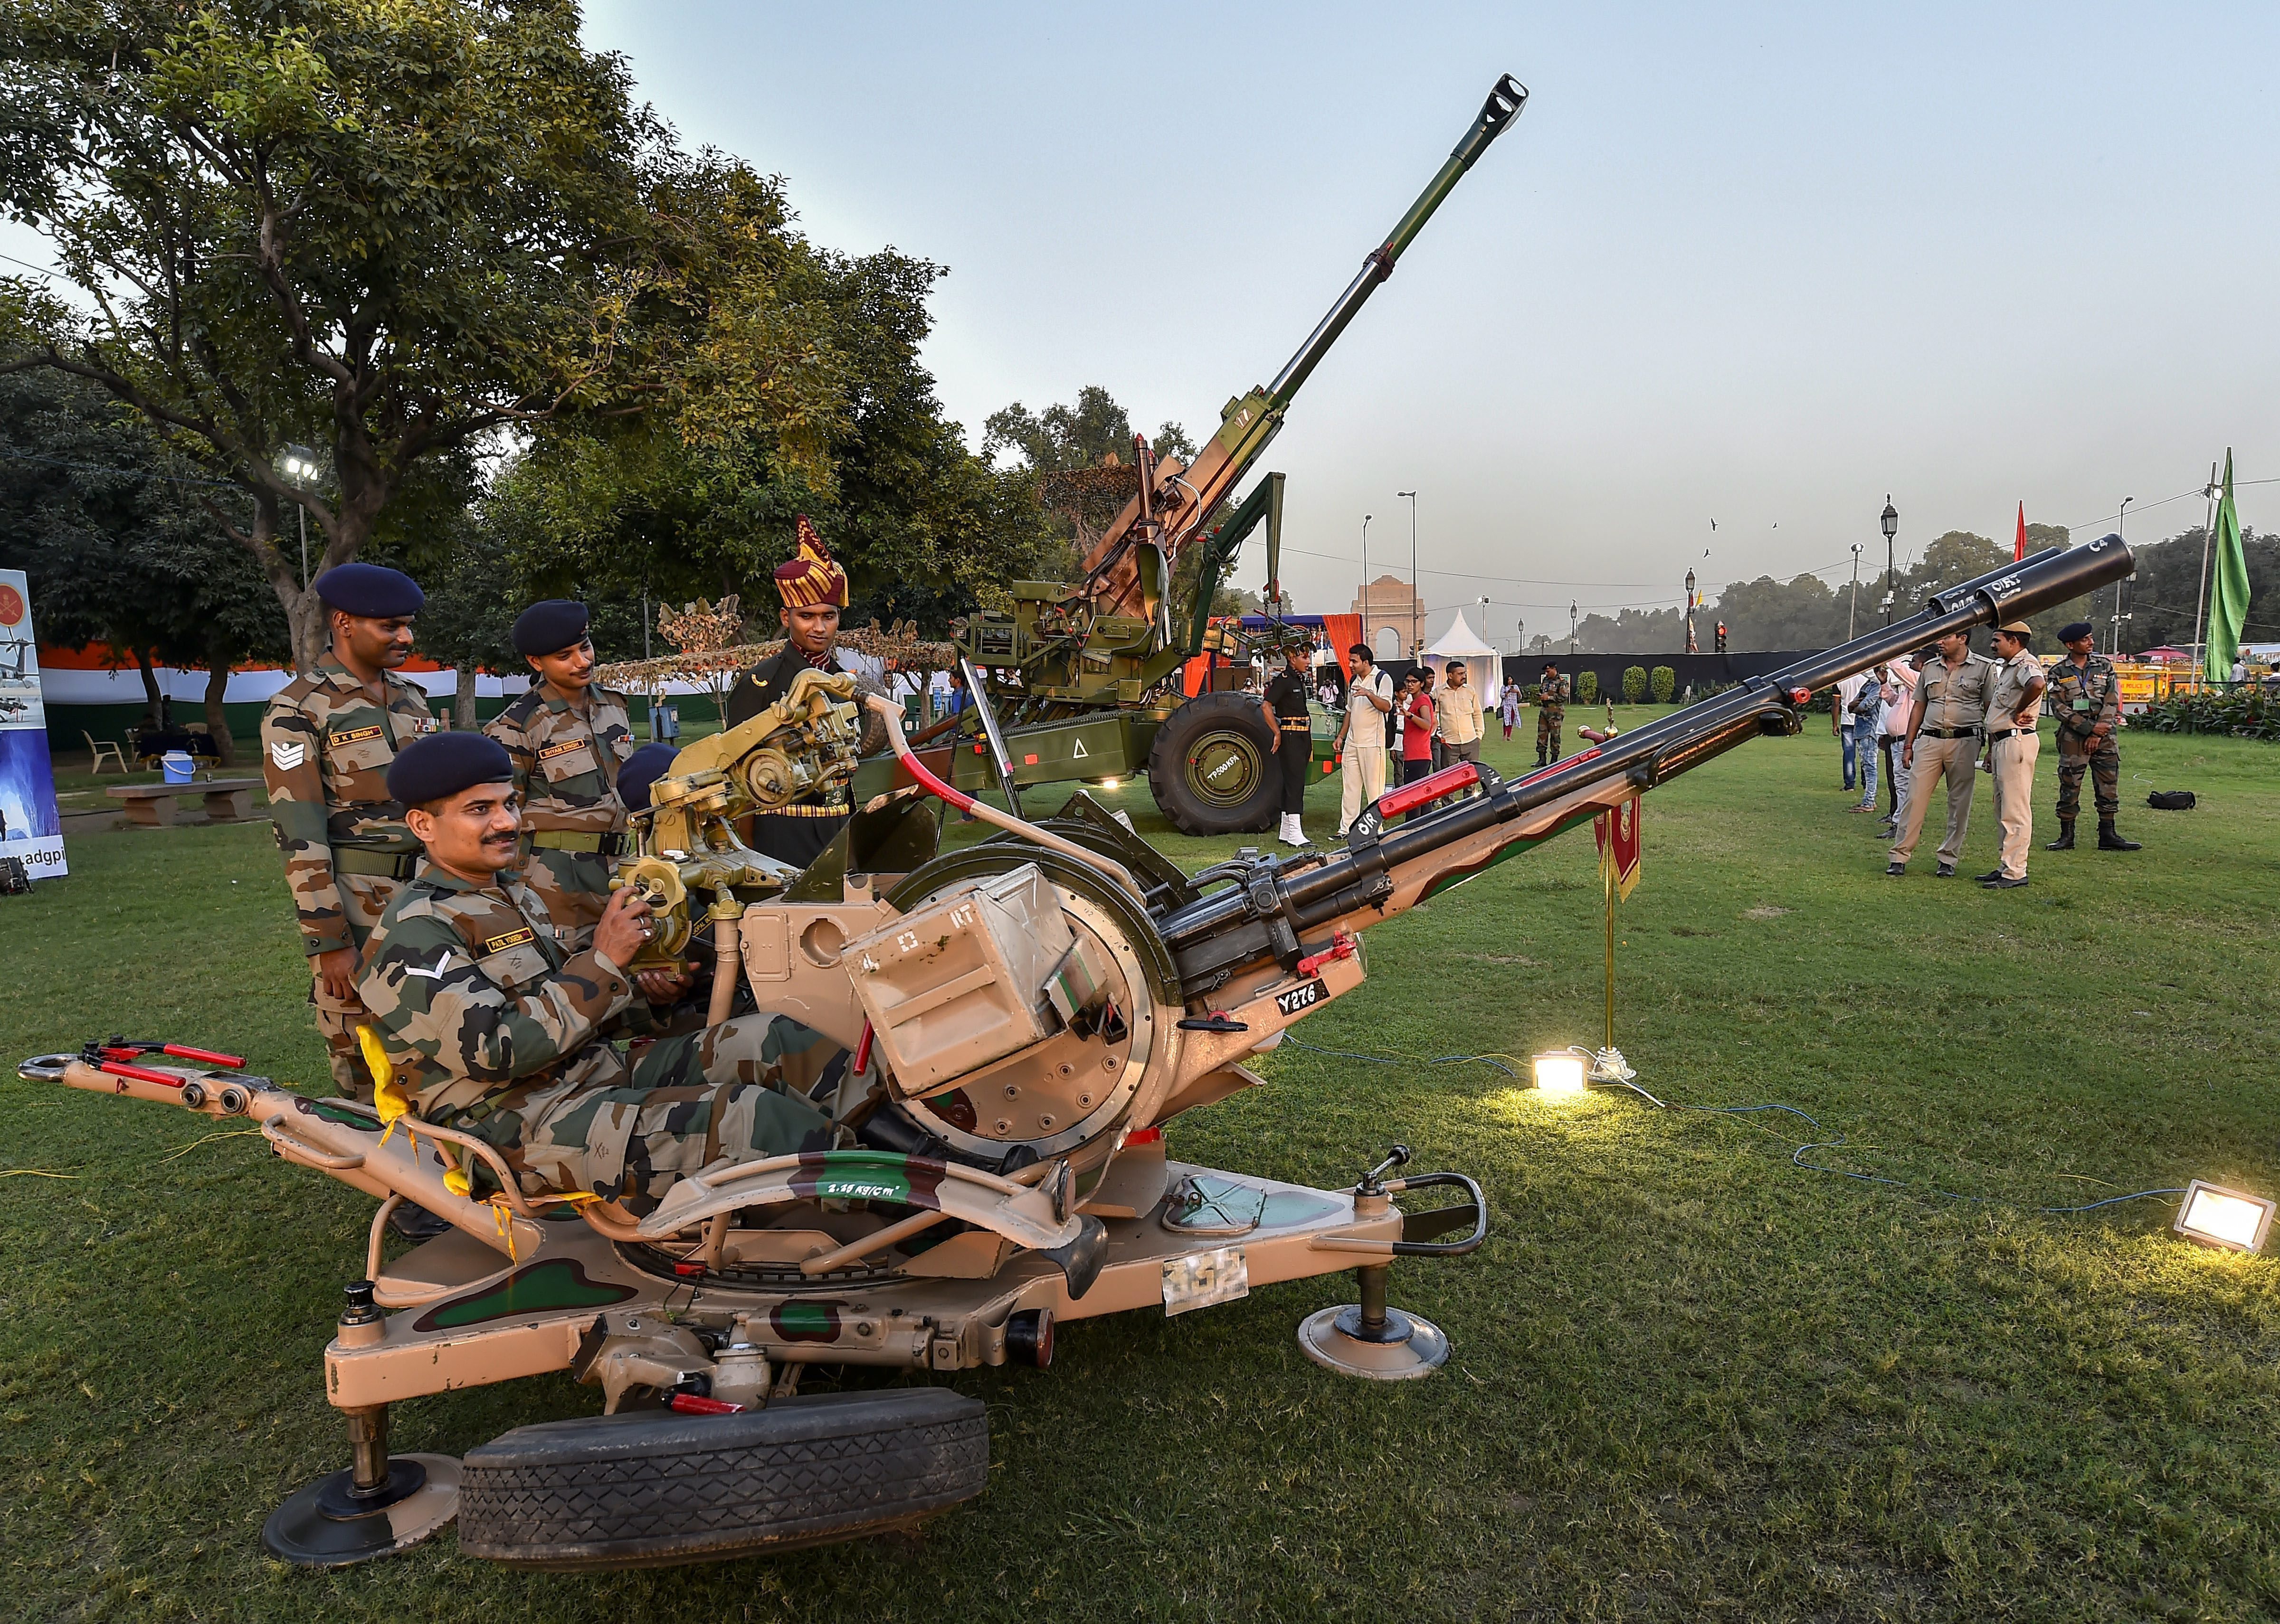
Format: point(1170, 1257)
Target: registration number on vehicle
point(1302, 997)
point(1202, 1278)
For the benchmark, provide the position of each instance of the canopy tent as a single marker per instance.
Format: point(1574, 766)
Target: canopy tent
point(1458, 645)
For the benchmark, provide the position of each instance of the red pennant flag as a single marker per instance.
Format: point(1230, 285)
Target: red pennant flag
point(2018, 547)
point(1618, 833)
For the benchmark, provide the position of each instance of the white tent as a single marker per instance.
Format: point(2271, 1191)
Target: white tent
point(1482, 667)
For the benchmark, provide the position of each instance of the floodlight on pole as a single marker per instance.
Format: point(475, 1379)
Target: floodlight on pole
point(1367, 636)
point(1416, 598)
point(300, 463)
point(2120, 518)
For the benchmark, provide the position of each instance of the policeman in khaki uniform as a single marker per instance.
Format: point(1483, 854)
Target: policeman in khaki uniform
point(1951, 706)
point(498, 1028)
point(326, 741)
point(1552, 697)
point(2012, 743)
point(567, 738)
point(2085, 697)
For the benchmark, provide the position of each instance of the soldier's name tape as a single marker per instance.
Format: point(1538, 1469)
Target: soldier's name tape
point(355, 735)
point(562, 747)
point(513, 938)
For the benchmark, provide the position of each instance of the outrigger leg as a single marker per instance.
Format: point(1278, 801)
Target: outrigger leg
point(1368, 1339)
point(379, 1504)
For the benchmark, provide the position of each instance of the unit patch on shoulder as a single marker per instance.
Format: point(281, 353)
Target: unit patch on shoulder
point(288, 756)
point(513, 938)
point(561, 748)
point(354, 735)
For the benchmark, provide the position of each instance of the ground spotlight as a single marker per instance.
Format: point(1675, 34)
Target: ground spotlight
point(1560, 1071)
point(2223, 1218)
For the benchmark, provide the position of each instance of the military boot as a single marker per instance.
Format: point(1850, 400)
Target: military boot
point(2109, 838)
point(2065, 842)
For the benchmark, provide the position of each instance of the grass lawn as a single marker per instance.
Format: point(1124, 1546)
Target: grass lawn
point(1692, 1380)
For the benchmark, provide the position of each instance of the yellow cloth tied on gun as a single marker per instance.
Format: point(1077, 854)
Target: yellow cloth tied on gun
point(394, 1104)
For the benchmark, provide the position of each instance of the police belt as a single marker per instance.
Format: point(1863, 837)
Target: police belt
point(576, 840)
point(2007, 733)
point(364, 860)
point(1949, 732)
point(807, 812)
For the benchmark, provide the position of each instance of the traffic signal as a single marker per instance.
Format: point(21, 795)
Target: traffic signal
point(1721, 637)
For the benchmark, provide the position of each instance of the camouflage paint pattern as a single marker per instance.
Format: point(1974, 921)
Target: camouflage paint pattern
point(325, 746)
point(565, 767)
point(501, 1030)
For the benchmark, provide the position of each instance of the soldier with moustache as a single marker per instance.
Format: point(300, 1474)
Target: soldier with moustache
point(567, 738)
point(815, 590)
point(328, 740)
point(2085, 695)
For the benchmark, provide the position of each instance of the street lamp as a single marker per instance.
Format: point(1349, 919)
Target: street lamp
point(1416, 596)
point(1571, 630)
point(1366, 634)
point(1892, 522)
point(1690, 649)
point(2114, 647)
point(301, 463)
point(1853, 610)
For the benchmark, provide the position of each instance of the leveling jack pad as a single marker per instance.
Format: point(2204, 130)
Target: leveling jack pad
point(1400, 1348)
point(323, 1526)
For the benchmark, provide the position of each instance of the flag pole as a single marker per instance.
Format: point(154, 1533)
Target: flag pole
point(2200, 598)
point(1608, 876)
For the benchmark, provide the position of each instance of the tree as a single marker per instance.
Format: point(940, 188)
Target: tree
point(389, 230)
point(1634, 684)
point(118, 548)
point(1079, 458)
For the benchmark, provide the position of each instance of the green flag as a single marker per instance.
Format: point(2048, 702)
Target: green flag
point(2228, 592)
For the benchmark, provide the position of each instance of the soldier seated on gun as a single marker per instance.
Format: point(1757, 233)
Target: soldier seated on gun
point(496, 1030)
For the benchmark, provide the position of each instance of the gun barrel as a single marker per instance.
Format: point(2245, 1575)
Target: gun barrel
point(1505, 99)
point(1232, 928)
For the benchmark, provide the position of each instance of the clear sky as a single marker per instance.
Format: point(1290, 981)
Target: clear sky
point(1760, 265)
point(1757, 264)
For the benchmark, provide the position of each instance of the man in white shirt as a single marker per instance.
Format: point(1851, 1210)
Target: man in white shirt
point(1361, 737)
point(1841, 721)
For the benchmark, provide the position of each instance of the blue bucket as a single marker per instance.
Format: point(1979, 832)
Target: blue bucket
point(178, 767)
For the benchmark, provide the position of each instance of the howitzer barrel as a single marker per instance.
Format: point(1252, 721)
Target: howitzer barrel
point(1232, 928)
point(1506, 98)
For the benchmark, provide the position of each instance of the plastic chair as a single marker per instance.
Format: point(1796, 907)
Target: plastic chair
point(117, 754)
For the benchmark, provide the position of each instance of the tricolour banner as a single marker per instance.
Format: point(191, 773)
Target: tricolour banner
point(29, 827)
point(1618, 831)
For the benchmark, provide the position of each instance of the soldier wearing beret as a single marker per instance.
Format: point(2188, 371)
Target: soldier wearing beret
point(499, 1027)
point(326, 743)
point(2086, 697)
point(567, 738)
point(815, 590)
point(2012, 743)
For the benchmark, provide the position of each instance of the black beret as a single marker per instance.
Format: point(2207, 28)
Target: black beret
point(371, 590)
point(550, 626)
point(2079, 629)
point(443, 763)
point(642, 769)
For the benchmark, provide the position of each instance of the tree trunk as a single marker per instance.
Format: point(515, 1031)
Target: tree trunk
point(149, 687)
point(463, 700)
point(217, 723)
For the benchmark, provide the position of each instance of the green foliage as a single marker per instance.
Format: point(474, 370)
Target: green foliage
point(1662, 682)
point(2250, 712)
point(1634, 684)
point(1092, 431)
point(1586, 688)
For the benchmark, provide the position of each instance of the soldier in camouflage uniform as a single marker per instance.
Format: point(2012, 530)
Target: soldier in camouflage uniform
point(1551, 699)
point(567, 738)
point(326, 741)
point(2085, 697)
point(497, 1028)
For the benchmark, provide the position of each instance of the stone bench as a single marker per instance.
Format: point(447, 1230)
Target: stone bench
point(153, 806)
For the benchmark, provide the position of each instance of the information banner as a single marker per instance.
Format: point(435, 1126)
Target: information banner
point(29, 827)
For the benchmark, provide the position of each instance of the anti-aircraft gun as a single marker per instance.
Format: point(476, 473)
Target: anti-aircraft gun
point(1021, 1018)
point(1086, 674)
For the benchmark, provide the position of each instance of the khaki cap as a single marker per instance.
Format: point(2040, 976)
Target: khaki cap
point(2017, 628)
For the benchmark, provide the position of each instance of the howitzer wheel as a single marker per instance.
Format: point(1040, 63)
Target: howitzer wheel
point(1212, 767)
point(653, 1489)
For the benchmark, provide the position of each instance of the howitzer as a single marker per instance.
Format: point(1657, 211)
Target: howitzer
point(1087, 670)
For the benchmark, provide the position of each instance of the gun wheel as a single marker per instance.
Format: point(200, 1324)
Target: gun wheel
point(1213, 767)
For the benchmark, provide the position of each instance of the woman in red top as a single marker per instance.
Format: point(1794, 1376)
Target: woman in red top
point(1416, 729)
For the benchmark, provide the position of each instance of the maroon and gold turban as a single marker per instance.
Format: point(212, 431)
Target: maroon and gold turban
point(809, 577)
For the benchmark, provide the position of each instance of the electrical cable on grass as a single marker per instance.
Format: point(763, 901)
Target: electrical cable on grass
point(1795, 1156)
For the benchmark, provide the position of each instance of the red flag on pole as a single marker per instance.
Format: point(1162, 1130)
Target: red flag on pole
point(2018, 547)
point(1624, 856)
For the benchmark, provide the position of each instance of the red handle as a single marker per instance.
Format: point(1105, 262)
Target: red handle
point(210, 1057)
point(689, 1404)
point(140, 1074)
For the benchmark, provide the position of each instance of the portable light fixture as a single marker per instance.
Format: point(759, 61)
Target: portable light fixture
point(1559, 1073)
point(2227, 1218)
